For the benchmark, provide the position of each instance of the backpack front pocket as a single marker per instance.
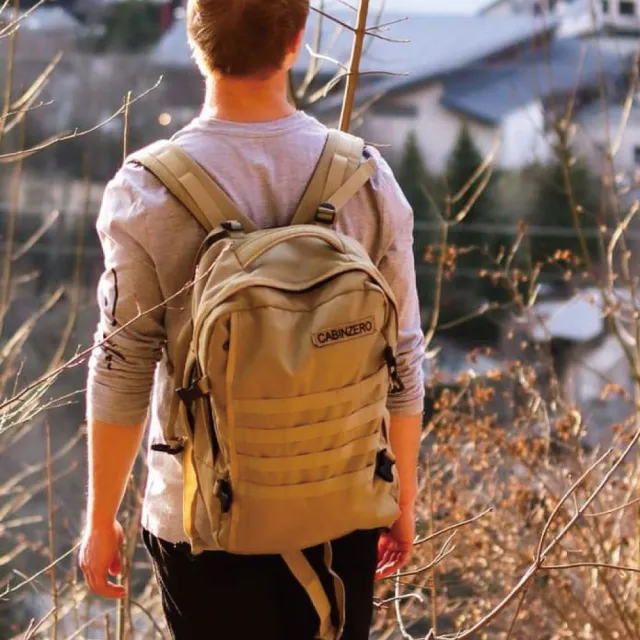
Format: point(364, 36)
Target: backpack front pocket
point(298, 481)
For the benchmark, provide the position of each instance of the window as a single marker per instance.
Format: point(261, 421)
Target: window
point(627, 8)
point(636, 155)
point(605, 6)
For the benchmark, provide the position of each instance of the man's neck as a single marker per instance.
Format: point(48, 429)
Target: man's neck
point(248, 100)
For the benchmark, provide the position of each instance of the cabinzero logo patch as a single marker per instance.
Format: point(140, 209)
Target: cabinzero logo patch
point(349, 331)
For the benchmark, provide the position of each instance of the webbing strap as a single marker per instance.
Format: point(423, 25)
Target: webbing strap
point(346, 159)
point(349, 189)
point(310, 581)
point(339, 588)
point(344, 482)
point(190, 184)
point(337, 175)
point(278, 434)
point(341, 157)
point(360, 447)
point(369, 387)
point(180, 364)
point(190, 490)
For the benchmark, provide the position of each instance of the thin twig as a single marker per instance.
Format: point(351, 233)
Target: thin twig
point(51, 531)
point(599, 565)
point(454, 527)
point(18, 155)
point(523, 595)
point(608, 511)
point(35, 576)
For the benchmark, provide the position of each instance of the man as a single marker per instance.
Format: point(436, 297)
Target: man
point(262, 152)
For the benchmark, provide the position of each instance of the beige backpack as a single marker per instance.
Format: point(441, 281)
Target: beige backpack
point(285, 373)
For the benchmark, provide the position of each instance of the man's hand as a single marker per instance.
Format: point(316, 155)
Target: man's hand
point(99, 556)
point(112, 453)
point(394, 548)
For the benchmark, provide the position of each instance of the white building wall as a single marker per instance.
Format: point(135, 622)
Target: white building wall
point(523, 138)
point(578, 16)
point(616, 17)
point(628, 156)
point(436, 128)
point(594, 138)
point(520, 136)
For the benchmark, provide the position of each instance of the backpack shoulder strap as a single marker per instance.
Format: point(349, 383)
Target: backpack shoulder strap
point(338, 176)
point(190, 184)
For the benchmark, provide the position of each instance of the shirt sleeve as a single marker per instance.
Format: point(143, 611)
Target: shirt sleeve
point(397, 265)
point(131, 334)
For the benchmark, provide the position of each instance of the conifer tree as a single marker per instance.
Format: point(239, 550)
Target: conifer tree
point(553, 210)
point(131, 25)
point(464, 161)
point(413, 178)
point(472, 243)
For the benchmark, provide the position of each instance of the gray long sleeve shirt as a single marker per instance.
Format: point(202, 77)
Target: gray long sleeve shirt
point(150, 242)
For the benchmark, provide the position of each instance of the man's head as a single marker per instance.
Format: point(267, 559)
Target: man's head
point(245, 38)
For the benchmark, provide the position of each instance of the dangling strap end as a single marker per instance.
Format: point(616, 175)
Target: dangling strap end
point(173, 448)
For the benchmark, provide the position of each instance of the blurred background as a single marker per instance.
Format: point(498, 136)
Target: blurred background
point(513, 127)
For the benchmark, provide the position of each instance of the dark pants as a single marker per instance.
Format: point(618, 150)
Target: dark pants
point(220, 595)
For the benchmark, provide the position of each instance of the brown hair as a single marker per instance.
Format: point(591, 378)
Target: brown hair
point(244, 37)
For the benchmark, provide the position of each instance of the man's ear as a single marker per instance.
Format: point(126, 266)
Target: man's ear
point(293, 51)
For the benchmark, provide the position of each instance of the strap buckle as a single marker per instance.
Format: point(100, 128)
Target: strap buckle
point(199, 389)
point(384, 466)
point(233, 226)
point(326, 214)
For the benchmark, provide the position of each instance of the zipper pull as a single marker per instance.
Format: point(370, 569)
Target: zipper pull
point(396, 386)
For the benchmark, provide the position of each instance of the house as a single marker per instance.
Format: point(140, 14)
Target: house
point(589, 361)
point(38, 35)
point(39, 32)
point(536, 7)
point(612, 26)
point(506, 77)
point(510, 101)
point(615, 23)
point(599, 128)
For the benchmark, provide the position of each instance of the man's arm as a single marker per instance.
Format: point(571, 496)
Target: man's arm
point(112, 453)
point(405, 435)
point(398, 267)
point(121, 371)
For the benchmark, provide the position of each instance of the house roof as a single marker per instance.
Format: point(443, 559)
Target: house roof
point(490, 94)
point(439, 45)
point(431, 44)
point(489, 6)
point(436, 44)
point(173, 48)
